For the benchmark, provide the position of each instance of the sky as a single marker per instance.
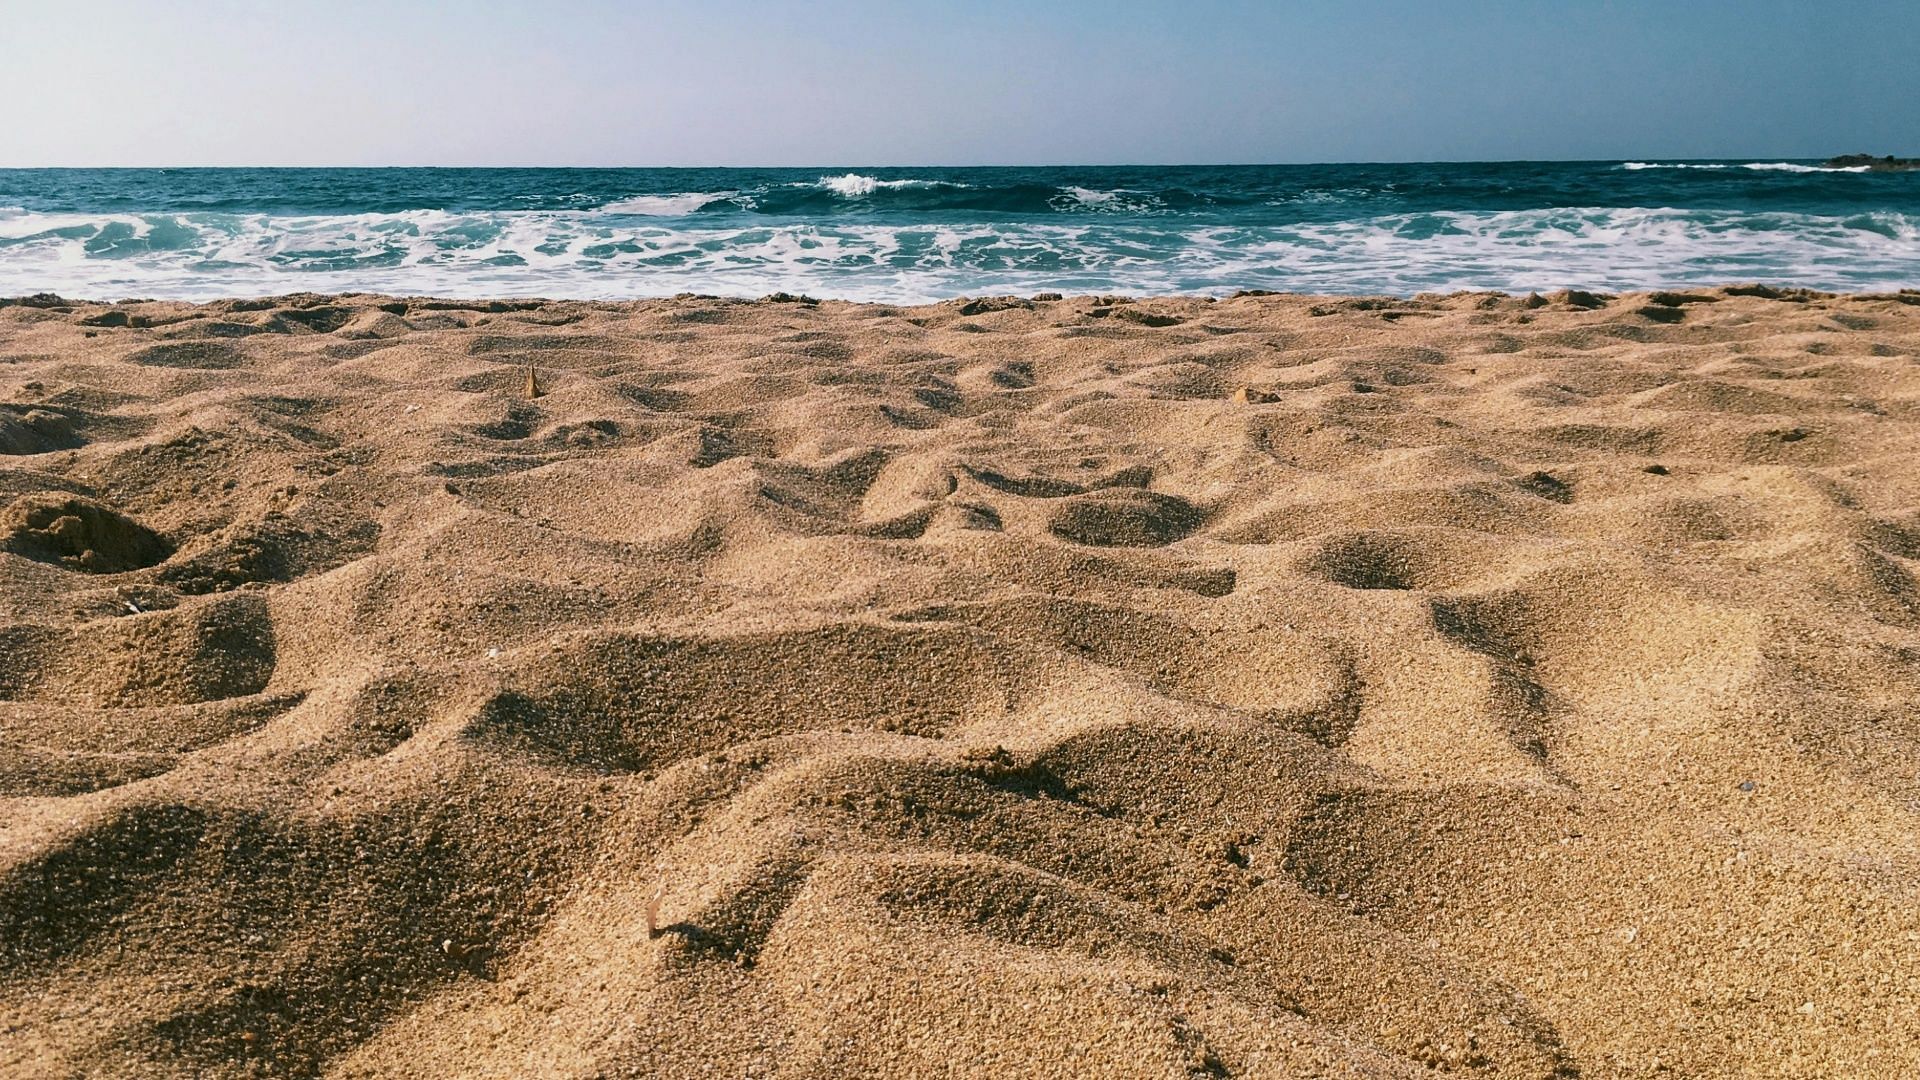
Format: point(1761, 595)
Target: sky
point(853, 82)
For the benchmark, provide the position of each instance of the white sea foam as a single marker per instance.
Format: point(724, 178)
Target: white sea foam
point(1091, 197)
point(679, 205)
point(597, 253)
point(1755, 166)
point(1118, 200)
point(1788, 166)
point(858, 186)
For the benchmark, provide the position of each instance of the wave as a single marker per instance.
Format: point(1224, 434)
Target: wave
point(675, 205)
point(1090, 197)
point(622, 252)
point(1072, 199)
point(1788, 166)
point(1636, 166)
point(851, 191)
point(1752, 166)
point(858, 186)
point(857, 193)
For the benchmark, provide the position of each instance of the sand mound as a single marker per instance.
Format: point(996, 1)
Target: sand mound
point(78, 533)
point(34, 431)
point(1275, 686)
point(1125, 518)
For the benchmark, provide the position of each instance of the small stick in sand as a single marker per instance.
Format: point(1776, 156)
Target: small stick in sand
point(654, 929)
point(533, 382)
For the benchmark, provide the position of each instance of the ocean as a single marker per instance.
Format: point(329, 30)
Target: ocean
point(920, 234)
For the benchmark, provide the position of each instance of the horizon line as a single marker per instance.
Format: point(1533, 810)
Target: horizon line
point(993, 165)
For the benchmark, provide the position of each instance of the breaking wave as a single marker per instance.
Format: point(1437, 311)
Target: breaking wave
point(1752, 166)
point(677, 205)
point(858, 186)
point(912, 235)
point(611, 253)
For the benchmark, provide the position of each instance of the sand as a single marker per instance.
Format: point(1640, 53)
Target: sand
point(1277, 686)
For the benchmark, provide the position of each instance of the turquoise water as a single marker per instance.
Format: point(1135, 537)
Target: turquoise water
point(926, 234)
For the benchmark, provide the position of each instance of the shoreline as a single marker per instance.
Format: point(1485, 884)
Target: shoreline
point(1759, 289)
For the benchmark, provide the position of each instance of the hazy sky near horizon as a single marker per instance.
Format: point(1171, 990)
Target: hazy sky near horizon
point(862, 82)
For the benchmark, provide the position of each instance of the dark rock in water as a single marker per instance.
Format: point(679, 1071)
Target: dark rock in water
point(1871, 163)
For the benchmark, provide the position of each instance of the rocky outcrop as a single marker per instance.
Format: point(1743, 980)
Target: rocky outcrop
point(1871, 163)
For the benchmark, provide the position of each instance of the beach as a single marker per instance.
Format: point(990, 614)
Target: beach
point(1252, 686)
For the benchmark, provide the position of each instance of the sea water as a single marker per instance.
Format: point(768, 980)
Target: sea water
point(918, 234)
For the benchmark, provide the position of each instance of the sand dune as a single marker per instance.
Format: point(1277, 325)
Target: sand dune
point(1277, 686)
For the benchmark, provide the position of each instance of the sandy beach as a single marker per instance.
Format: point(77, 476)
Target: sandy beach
point(1275, 686)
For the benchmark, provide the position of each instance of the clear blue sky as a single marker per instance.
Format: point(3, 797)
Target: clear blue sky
point(852, 82)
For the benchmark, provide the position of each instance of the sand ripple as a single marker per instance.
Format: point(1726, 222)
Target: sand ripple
point(1521, 687)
